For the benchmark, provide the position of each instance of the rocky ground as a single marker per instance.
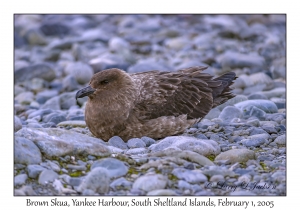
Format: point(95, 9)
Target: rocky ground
point(238, 149)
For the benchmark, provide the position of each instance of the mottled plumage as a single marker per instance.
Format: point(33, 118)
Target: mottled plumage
point(155, 104)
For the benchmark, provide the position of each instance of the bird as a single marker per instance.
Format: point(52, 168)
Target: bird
point(155, 103)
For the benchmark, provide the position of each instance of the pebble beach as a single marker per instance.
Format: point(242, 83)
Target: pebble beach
point(238, 149)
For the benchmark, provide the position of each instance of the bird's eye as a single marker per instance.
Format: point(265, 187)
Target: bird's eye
point(104, 82)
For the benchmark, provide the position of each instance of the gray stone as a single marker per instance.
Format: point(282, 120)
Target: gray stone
point(74, 112)
point(254, 142)
point(270, 129)
point(25, 190)
point(204, 193)
point(280, 102)
point(107, 61)
point(116, 141)
point(97, 180)
point(254, 88)
point(25, 98)
point(17, 124)
point(115, 150)
point(177, 43)
point(58, 142)
point(54, 28)
point(26, 152)
point(77, 118)
point(43, 71)
point(59, 188)
point(18, 64)
point(259, 136)
point(73, 123)
point(150, 182)
point(76, 167)
point(70, 84)
point(201, 136)
point(54, 117)
point(205, 123)
point(191, 176)
point(148, 141)
point(57, 118)
point(116, 44)
point(51, 165)
point(268, 124)
point(214, 137)
point(254, 131)
point(281, 140)
point(279, 176)
point(52, 55)
point(52, 103)
point(121, 183)
point(88, 192)
point(146, 65)
point(34, 125)
point(252, 111)
point(47, 176)
point(240, 133)
point(183, 185)
point(80, 71)
point(192, 62)
point(256, 112)
point(149, 25)
point(203, 147)
point(218, 170)
point(49, 125)
point(237, 60)
point(253, 122)
point(19, 166)
point(283, 122)
point(242, 193)
point(213, 113)
point(245, 178)
point(275, 93)
point(94, 34)
point(115, 167)
point(265, 105)
point(260, 78)
point(237, 99)
point(243, 81)
point(230, 112)
point(34, 105)
point(39, 113)
point(161, 192)
point(278, 68)
point(186, 155)
point(35, 84)
point(254, 96)
point(136, 143)
point(74, 181)
point(18, 89)
point(236, 155)
point(34, 170)
point(216, 178)
point(20, 179)
point(136, 151)
point(67, 100)
point(217, 121)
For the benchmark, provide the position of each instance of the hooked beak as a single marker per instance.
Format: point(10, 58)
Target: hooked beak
point(85, 92)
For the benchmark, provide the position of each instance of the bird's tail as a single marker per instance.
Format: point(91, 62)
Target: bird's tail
point(223, 92)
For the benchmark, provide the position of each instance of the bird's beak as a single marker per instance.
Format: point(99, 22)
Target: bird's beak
point(85, 92)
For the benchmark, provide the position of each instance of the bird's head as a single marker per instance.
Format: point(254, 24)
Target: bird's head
point(106, 83)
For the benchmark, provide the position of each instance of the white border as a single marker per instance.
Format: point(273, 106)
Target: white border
point(174, 7)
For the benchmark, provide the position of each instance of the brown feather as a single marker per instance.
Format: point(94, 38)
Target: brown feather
point(154, 103)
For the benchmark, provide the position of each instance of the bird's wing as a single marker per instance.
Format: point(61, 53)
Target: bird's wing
point(187, 91)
